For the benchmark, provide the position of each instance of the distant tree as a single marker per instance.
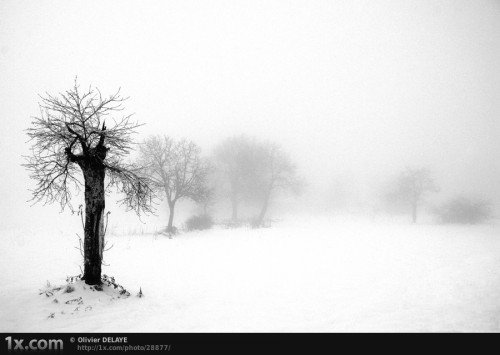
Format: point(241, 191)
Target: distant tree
point(463, 210)
point(77, 135)
point(177, 168)
point(205, 197)
point(237, 160)
point(410, 189)
point(275, 171)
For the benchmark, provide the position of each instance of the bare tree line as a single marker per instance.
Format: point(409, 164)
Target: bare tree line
point(250, 169)
point(242, 169)
point(81, 139)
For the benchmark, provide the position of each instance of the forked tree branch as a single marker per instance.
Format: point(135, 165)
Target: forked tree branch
point(70, 131)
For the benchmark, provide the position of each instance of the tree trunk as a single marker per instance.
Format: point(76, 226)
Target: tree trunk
point(94, 232)
point(171, 207)
point(234, 205)
point(414, 212)
point(263, 210)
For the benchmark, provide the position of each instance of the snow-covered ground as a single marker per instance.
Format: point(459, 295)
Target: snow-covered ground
point(323, 274)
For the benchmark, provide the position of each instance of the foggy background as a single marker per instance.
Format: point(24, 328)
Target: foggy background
point(355, 91)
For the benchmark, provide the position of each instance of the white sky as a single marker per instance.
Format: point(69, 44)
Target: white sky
point(355, 90)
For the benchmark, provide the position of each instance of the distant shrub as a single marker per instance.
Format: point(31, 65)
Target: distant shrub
point(199, 222)
point(462, 210)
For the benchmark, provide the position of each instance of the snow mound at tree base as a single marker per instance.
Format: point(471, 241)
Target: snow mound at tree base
point(76, 297)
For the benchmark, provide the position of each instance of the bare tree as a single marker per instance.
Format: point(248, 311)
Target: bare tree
point(275, 172)
point(78, 136)
point(236, 160)
point(177, 168)
point(410, 188)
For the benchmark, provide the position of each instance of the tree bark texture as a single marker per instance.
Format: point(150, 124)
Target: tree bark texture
point(94, 230)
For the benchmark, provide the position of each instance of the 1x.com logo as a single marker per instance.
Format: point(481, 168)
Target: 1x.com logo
point(34, 344)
